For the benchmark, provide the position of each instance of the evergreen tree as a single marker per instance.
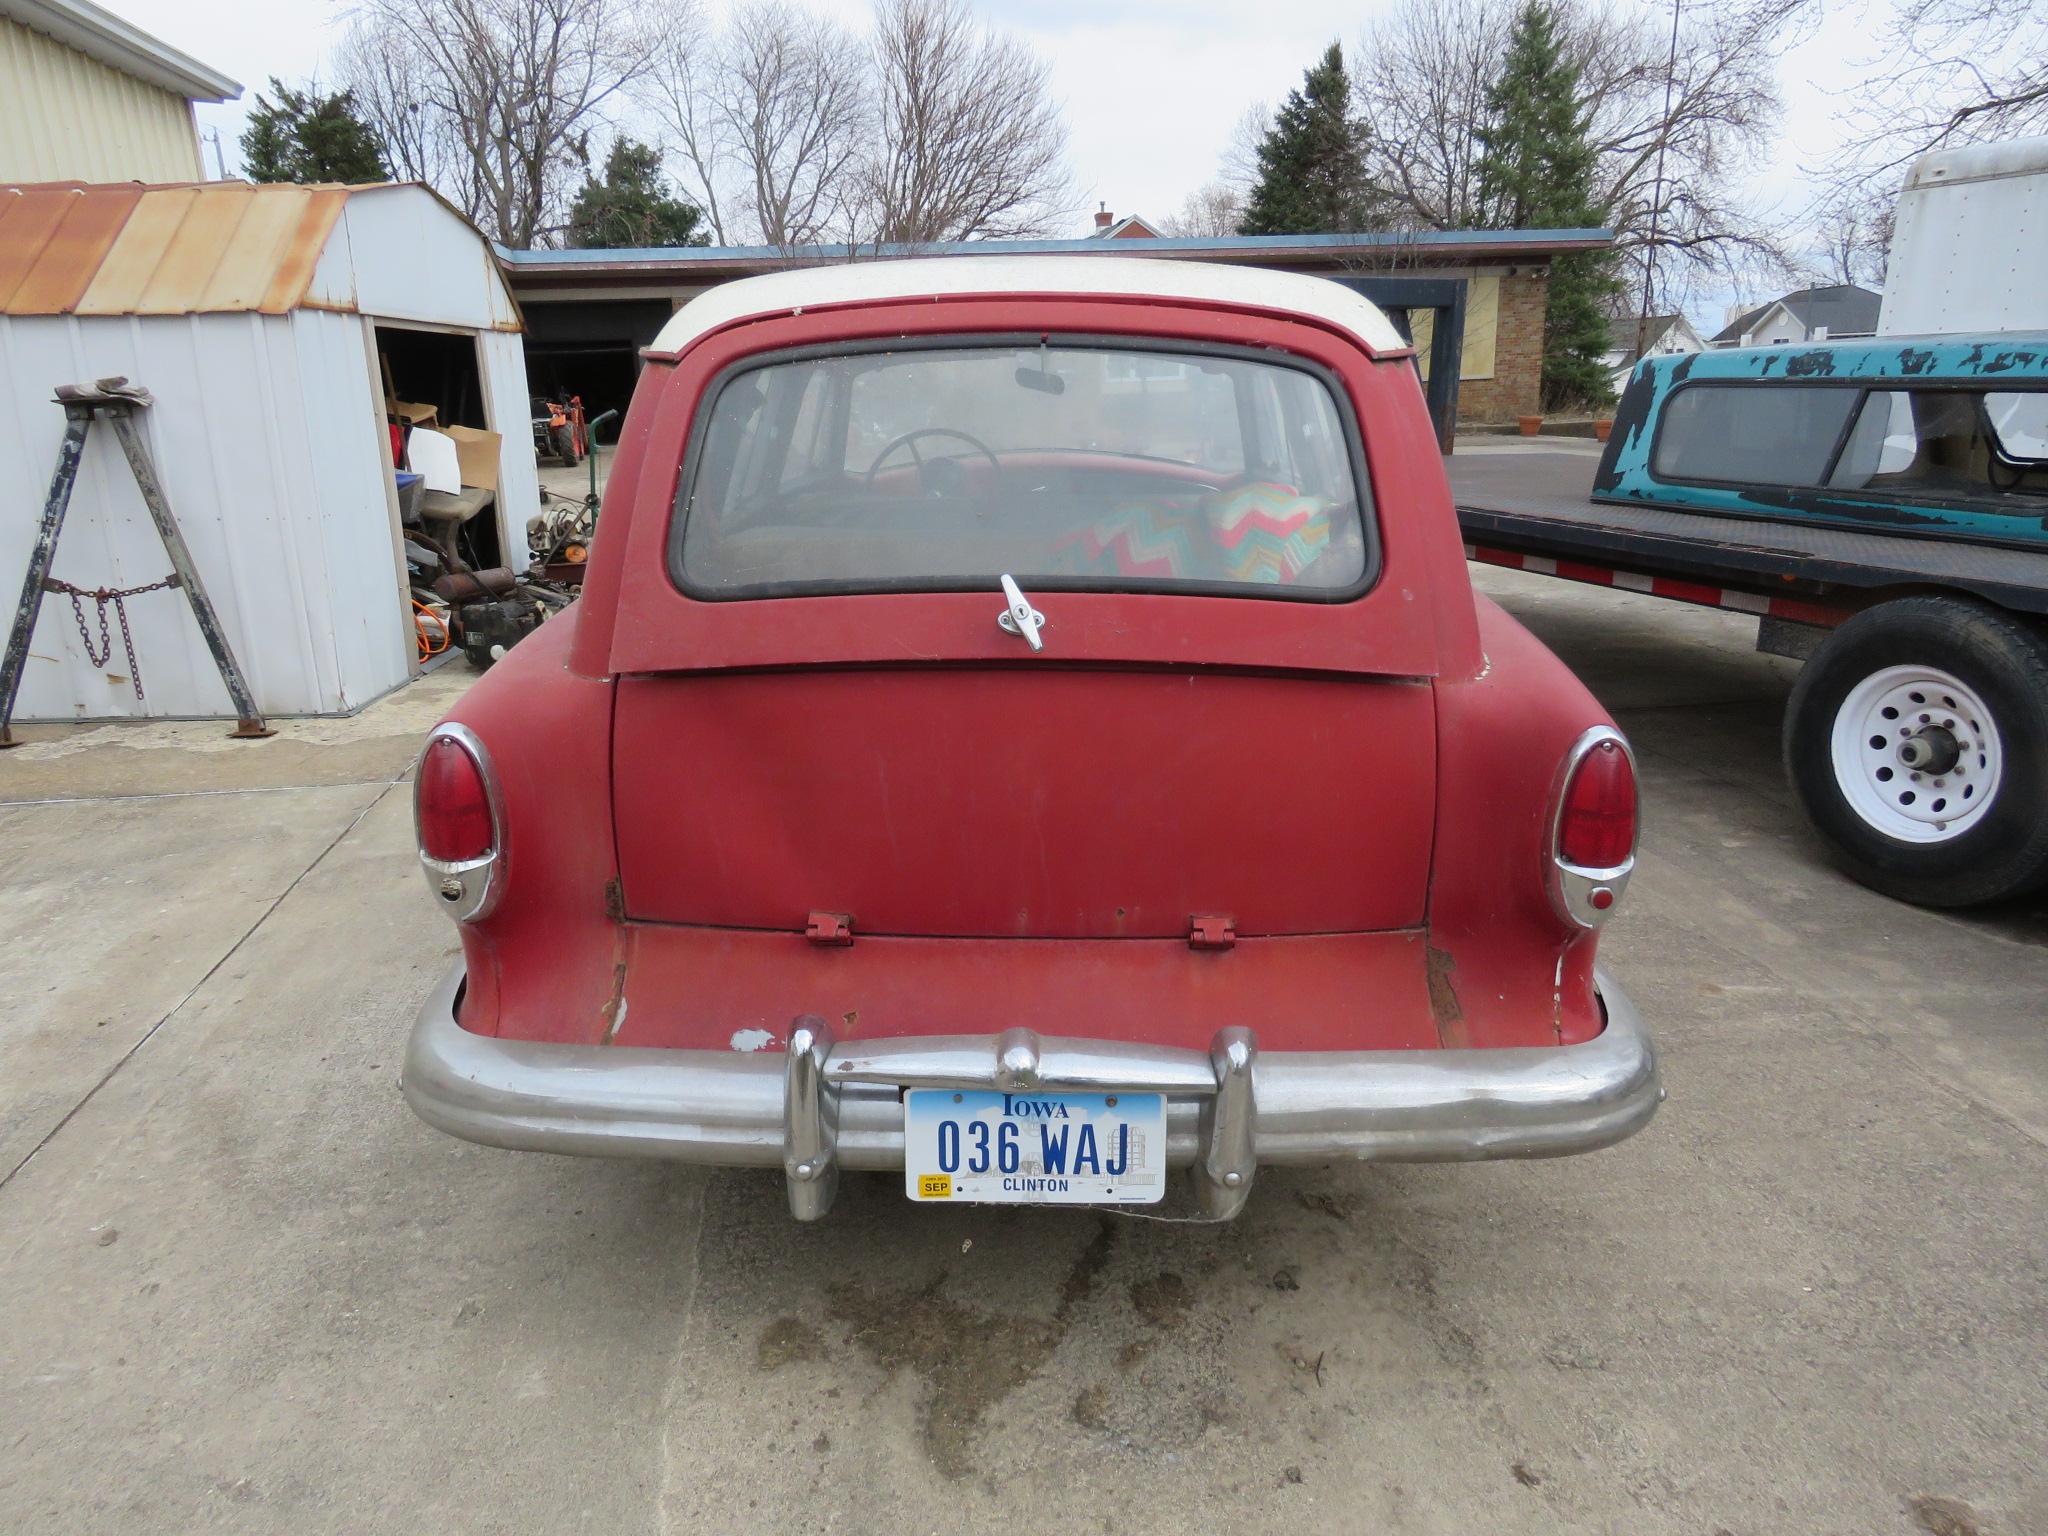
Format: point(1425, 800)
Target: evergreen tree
point(633, 206)
point(305, 136)
point(1312, 176)
point(1535, 171)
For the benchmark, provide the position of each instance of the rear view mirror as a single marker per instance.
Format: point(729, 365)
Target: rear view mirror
point(1044, 380)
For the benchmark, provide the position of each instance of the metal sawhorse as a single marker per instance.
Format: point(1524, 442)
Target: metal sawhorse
point(118, 401)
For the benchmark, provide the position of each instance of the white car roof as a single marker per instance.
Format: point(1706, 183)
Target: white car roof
point(778, 293)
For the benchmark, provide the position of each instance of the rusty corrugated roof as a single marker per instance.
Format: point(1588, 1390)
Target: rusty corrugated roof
point(128, 249)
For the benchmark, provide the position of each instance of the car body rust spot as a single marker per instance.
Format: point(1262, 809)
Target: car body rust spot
point(1444, 1007)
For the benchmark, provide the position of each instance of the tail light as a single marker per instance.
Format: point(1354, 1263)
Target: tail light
point(457, 822)
point(1593, 829)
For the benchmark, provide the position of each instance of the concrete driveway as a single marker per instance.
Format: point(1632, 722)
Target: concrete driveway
point(244, 1289)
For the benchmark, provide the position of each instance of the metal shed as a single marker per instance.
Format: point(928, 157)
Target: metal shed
point(264, 320)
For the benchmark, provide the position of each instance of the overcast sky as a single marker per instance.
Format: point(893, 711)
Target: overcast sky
point(1151, 88)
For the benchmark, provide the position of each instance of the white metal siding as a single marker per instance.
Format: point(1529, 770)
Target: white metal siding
point(400, 255)
point(1966, 254)
point(66, 117)
point(271, 463)
point(511, 417)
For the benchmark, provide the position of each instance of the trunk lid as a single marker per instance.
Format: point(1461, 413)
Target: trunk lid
point(1027, 801)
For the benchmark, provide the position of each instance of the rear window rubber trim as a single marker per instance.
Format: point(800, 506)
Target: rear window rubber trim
point(1340, 398)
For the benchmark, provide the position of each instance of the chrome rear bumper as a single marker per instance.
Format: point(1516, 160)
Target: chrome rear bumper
point(820, 1106)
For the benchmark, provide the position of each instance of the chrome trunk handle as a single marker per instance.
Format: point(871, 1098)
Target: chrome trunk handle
point(1019, 617)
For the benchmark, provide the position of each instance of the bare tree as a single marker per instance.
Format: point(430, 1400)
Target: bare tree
point(791, 109)
point(770, 118)
point(679, 92)
point(1851, 237)
point(1674, 121)
point(1952, 71)
point(1421, 74)
point(970, 141)
point(1240, 172)
point(1210, 212)
point(495, 99)
point(387, 83)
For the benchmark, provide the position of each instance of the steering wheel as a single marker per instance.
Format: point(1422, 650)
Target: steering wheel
point(909, 440)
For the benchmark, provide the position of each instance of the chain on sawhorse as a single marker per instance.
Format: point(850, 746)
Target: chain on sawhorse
point(118, 401)
point(99, 654)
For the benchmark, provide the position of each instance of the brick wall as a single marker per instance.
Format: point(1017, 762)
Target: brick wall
point(1516, 388)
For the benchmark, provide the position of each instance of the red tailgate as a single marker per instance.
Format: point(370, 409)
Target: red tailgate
point(1031, 801)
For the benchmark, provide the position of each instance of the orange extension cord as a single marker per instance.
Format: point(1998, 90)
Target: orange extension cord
point(422, 617)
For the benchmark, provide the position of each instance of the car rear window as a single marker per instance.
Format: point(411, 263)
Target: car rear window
point(1066, 464)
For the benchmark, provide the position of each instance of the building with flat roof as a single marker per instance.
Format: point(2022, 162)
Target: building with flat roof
point(588, 312)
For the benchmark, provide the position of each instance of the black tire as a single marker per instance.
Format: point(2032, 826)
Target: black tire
point(564, 439)
point(2005, 662)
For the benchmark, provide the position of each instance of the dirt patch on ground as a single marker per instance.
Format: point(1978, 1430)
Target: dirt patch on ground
point(1164, 1300)
point(1090, 1409)
point(969, 1359)
point(1942, 1517)
point(787, 1339)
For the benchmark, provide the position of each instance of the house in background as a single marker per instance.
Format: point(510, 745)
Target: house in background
point(1130, 227)
point(86, 97)
point(1661, 336)
point(1812, 314)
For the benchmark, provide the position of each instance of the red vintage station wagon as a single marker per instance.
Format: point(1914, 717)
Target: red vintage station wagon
point(1028, 725)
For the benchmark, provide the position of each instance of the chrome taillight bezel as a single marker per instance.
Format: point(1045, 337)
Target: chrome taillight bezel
point(1575, 889)
point(466, 889)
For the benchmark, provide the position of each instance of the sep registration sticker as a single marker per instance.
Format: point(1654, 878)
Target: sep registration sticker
point(984, 1146)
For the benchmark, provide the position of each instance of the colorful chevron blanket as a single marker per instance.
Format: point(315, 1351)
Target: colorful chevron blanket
point(1254, 533)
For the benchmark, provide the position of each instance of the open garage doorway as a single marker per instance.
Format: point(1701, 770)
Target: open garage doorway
point(443, 371)
point(589, 350)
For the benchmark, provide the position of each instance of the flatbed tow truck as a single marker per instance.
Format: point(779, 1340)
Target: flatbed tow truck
point(1529, 509)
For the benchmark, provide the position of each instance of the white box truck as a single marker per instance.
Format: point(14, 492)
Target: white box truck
point(1970, 251)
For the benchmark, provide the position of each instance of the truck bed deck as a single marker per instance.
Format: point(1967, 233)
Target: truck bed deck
point(1537, 501)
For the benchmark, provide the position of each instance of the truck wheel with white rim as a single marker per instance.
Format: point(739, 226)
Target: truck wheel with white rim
point(1917, 741)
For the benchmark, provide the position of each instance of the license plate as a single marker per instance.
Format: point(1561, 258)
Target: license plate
point(983, 1146)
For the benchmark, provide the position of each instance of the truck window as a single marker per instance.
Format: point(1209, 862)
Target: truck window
point(2019, 424)
point(1773, 434)
point(1881, 444)
point(1069, 465)
point(1956, 442)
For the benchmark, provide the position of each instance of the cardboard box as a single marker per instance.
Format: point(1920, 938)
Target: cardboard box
point(414, 414)
point(477, 453)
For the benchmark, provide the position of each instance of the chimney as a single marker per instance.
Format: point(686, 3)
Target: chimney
point(1103, 217)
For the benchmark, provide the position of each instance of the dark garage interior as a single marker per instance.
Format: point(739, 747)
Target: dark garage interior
point(591, 349)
